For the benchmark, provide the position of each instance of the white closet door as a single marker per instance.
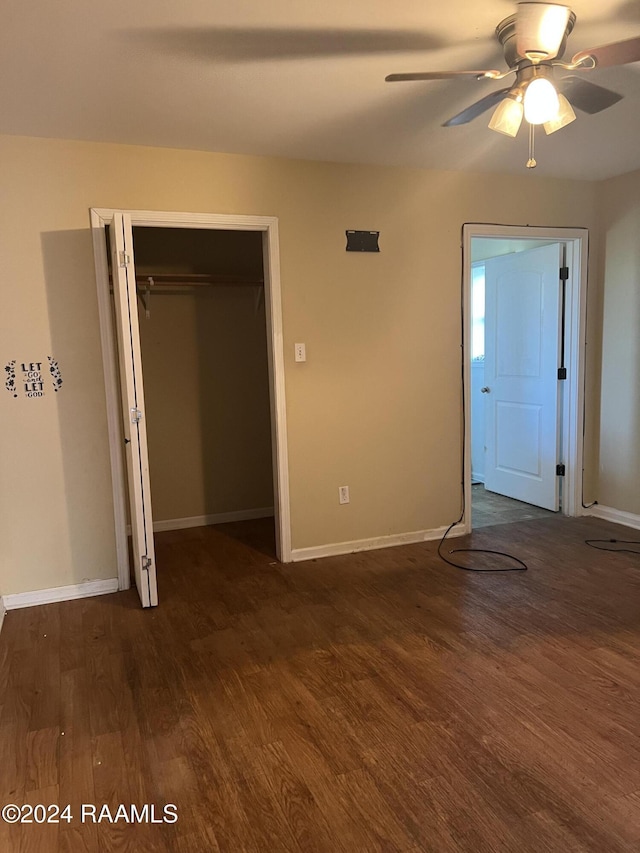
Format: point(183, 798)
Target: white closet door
point(133, 412)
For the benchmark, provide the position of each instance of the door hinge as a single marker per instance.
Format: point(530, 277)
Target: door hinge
point(564, 273)
point(136, 416)
point(560, 470)
point(146, 563)
point(125, 260)
point(562, 373)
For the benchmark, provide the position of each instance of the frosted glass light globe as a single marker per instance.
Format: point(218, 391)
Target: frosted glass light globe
point(540, 101)
point(507, 117)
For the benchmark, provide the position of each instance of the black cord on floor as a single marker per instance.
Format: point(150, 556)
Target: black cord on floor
point(520, 567)
point(597, 543)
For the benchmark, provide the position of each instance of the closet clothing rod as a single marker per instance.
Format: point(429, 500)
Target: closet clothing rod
point(173, 284)
point(195, 280)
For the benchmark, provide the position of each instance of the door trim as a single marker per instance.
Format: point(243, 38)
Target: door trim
point(268, 225)
point(577, 243)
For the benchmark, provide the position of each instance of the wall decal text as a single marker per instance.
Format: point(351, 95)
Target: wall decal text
point(32, 383)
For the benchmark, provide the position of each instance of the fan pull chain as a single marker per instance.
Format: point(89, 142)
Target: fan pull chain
point(531, 162)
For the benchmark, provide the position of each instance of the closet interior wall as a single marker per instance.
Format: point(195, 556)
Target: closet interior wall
point(206, 381)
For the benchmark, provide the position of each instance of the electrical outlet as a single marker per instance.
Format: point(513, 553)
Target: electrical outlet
point(300, 352)
point(343, 492)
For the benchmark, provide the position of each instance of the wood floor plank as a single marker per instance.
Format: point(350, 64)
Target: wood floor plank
point(37, 836)
point(304, 821)
point(42, 759)
point(359, 793)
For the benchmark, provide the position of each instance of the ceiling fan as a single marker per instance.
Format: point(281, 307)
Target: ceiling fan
point(533, 41)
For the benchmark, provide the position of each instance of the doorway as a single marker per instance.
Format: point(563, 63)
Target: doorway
point(524, 305)
point(198, 300)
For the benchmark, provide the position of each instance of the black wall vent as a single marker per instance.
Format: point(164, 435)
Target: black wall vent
point(362, 241)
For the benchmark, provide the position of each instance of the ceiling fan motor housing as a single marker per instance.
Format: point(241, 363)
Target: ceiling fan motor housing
point(528, 71)
point(506, 35)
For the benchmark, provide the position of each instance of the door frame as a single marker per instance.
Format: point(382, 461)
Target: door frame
point(268, 225)
point(572, 426)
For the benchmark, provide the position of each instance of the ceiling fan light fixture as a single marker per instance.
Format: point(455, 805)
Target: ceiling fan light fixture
point(541, 27)
point(541, 103)
point(565, 116)
point(507, 116)
point(533, 42)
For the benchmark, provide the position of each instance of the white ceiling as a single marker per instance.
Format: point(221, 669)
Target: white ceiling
point(289, 78)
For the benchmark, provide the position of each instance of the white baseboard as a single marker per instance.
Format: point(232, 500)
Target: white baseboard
point(335, 549)
point(619, 516)
point(2, 612)
point(477, 478)
point(59, 593)
point(216, 518)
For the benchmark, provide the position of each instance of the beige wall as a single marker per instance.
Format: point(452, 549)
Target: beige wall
point(619, 481)
point(375, 407)
point(204, 353)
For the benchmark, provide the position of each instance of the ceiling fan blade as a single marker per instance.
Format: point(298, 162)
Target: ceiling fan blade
point(586, 96)
point(618, 53)
point(475, 110)
point(540, 29)
point(438, 75)
point(265, 44)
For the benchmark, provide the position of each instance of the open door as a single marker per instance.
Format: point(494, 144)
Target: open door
point(522, 342)
point(134, 428)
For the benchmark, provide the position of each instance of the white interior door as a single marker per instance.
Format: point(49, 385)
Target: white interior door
point(135, 431)
point(521, 390)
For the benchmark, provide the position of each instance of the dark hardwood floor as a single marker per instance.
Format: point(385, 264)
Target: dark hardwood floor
point(380, 701)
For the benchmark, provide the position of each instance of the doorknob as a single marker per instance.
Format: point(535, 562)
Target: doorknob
point(485, 390)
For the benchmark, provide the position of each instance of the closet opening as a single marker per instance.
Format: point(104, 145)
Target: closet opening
point(192, 343)
point(203, 340)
